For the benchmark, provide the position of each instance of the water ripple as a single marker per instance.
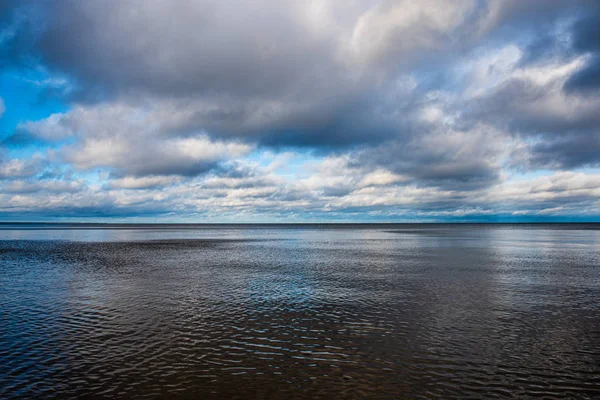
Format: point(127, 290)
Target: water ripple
point(322, 313)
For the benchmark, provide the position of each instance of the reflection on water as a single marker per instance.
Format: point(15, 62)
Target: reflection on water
point(304, 311)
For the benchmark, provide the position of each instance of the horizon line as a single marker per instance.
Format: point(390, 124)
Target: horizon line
point(303, 223)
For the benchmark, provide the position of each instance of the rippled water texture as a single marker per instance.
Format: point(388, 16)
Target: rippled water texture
point(398, 311)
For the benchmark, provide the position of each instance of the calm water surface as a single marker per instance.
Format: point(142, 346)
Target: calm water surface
point(396, 311)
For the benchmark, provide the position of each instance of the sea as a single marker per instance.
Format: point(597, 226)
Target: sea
point(348, 311)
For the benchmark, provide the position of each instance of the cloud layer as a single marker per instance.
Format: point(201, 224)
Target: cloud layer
point(361, 109)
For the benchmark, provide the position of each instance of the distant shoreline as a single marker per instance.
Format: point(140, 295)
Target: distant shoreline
point(130, 225)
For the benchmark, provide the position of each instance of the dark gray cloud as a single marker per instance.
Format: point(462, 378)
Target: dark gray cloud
point(183, 48)
point(586, 39)
point(587, 79)
point(444, 158)
point(569, 151)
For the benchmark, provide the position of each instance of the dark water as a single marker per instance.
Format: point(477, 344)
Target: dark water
point(396, 311)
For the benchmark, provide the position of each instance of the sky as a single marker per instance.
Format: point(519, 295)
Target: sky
point(300, 111)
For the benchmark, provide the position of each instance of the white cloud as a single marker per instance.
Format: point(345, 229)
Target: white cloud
point(151, 156)
point(147, 182)
point(14, 168)
point(392, 30)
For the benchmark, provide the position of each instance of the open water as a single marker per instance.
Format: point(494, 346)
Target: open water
point(299, 311)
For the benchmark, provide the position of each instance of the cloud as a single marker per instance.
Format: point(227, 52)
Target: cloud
point(148, 182)
point(12, 168)
point(331, 188)
point(321, 109)
point(185, 157)
point(389, 32)
point(588, 78)
point(45, 185)
point(537, 101)
point(132, 141)
point(262, 49)
point(530, 103)
point(586, 39)
point(280, 74)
